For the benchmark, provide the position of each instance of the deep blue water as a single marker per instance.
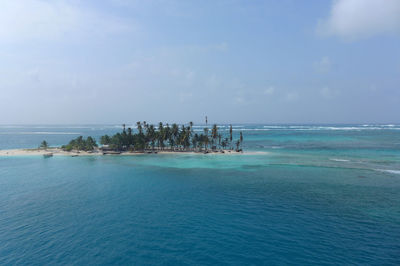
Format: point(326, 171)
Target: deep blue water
point(316, 195)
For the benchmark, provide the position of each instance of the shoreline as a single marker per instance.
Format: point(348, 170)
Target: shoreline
point(60, 152)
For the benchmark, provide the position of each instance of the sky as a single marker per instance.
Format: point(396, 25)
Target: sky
point(277, 61)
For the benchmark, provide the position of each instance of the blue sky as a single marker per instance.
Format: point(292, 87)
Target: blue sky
point(236, 61)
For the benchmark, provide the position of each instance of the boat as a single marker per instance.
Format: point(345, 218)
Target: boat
point(111, 152)
point(48, 155)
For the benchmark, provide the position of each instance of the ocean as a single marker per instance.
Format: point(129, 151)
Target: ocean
point(307, 194)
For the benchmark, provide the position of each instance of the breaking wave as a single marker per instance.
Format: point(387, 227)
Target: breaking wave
point(40, 133)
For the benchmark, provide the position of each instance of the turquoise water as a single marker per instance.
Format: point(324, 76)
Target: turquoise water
point(326, 194)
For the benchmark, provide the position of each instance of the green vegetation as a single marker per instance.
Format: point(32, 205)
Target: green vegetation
point(166, 137)
point(81, 144)
point(163, 138)
point(44, 145)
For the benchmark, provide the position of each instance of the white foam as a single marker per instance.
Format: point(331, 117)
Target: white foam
point(275, 126)
point(50, 126)
point(306, 128)
point(397, 172)
point(40, 133)
point(251, 129)
point(339, 160)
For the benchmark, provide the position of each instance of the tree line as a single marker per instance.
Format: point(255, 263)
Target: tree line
point(164, 137)
point(172, 137)
point(81, 144)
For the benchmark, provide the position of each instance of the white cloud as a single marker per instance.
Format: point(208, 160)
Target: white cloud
point(291, 96)
point(239, 100)
point(212, 82)
point(328, 93)
point(269, 91)
point(241, 97)
point(53, 20)
point(190, 75)
point(223, 47)
point(323, 65)
point(354, 19)
point(206, 48)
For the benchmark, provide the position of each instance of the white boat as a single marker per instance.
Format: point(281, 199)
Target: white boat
point(48, 155)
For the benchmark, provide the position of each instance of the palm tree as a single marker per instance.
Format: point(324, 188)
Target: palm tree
point(224, 143)
point(90, 144)
point(237, 145)
point(124, 136)
point(174, 135)
point(190, 129)
point(191, 125)
point(230, 135)
point(105, 140)
point(195, 140)
point(44, 145)
point(151, 135)
point(206, 137)
point(241, 139)
point(188, 137)
point(146, 137)
point(214, 134)
point(167, 133)
point(182, 136)
point(130, 137)
point(139, 127)
point(160, 135)
point(200, 141)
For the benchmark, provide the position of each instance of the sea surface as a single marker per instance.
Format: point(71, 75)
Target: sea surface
point(307, 194)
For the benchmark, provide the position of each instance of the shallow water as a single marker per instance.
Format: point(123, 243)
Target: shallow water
point(317, 196)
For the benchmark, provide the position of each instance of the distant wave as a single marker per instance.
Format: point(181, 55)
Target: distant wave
point(304, 128)
point(251, 129)
point(272, 147)
point(40, 133)
point(41, 127)
point(339, 160)
point(378, 125)
point(276, 127)
point(344, 128)
point(234, 129)
point(222, 127)
point(397, 172)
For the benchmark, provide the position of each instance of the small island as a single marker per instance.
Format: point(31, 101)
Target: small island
point(147, 139)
